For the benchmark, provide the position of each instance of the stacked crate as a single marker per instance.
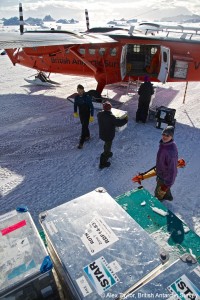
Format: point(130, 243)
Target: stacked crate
point(98, 250)
point(25, 267)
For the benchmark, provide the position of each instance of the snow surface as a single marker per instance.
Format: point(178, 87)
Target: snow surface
point(41, 167)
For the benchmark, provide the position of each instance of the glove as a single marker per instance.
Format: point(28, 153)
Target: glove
point(91, 119)
point(164, 188)
point(161, 191)
point(75, 115)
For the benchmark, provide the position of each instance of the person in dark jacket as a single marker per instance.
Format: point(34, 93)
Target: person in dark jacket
point(83, 103)
point(145, 92)
point(107, 124)
point(166, 165)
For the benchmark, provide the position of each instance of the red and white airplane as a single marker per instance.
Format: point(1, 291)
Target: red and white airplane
point(110, 55)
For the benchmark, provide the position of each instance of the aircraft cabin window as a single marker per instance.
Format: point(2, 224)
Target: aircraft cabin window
point(164, 56)
point(102, 51)
point(92, 51)
point(136, 48)
point(82, 51)
point(113, 51)
point(153, 50)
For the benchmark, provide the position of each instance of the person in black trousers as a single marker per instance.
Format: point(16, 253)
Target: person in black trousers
point(83, 103)
point(145, 92)
point(107, 123)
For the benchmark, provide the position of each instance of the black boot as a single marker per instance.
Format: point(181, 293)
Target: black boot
point(110, 154)
point(104, 163)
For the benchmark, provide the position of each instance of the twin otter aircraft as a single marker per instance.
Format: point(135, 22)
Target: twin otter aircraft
point(110, 55)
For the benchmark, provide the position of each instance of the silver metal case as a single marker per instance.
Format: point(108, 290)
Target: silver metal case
point(97, 247)
point(22, 253)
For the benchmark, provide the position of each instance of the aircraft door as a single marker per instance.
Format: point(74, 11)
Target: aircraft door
point(123, 62)
point(165, 63)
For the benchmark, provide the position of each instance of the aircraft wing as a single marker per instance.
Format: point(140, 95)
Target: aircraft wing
point(149, 28)
point(10, 40)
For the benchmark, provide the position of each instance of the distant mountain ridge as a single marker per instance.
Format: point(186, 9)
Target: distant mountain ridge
point(182, 18)
point(36, 21)
point(40, 22)
point(176, 19)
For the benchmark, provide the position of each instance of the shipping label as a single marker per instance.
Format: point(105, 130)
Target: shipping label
point(98, 235)
point(184, 289)
point(84, 286)
point(100, 275)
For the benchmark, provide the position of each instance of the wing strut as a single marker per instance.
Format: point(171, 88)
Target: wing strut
point(85, 61)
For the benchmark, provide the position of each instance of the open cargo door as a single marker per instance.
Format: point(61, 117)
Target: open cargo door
point(123, 62)
point(165, 63)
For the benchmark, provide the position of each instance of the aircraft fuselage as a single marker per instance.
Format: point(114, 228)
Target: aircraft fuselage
point(104, 61)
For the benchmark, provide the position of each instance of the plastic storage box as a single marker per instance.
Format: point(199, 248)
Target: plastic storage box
point(97, 248)
point(25, 267)
point(121, 114)
point(165, 116)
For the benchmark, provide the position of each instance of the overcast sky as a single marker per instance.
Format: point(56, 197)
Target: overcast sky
point(100, 10)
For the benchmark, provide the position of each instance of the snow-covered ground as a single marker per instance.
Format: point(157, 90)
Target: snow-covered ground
point(41, 167)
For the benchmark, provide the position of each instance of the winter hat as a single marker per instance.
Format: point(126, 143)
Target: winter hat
point(146, 78)
point(107, 106)
point(169, 130)
point(79, 86)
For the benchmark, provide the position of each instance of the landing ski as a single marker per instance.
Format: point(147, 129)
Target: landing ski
point(42, 79)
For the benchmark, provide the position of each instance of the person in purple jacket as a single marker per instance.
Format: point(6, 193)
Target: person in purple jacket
point(166, 165)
